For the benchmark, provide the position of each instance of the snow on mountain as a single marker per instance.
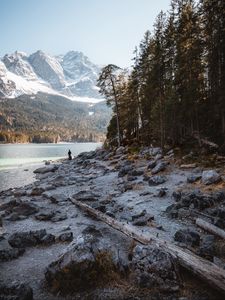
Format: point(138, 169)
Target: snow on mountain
point(6, 85)
point(17, 63)
point(76, 66)
point(48, 68)
point(71, 75)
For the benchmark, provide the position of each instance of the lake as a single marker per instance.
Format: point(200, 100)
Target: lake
point(17, 161)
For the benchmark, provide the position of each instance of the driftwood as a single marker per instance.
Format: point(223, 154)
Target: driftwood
point(204, 269)
point(205, 142)
point(198, 213)
point(188, 166)
point(210, 228)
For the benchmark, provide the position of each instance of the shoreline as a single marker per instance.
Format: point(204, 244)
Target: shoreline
point(142, 190)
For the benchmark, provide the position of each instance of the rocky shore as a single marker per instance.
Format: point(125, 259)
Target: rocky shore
point(50, 249)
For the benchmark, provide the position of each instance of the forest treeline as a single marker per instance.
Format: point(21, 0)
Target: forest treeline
point(176, 87)
point(47, 118)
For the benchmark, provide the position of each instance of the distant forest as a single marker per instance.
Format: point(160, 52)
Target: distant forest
point(176, 89)
point(47, 118)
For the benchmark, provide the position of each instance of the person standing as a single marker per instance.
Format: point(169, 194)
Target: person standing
point(69, 155)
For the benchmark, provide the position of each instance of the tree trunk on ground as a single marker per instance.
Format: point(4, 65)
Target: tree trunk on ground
point(204, 269)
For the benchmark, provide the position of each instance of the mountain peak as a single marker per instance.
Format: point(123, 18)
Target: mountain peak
point(71, 75)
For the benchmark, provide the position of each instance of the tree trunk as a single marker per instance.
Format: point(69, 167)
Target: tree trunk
point(117, 114)
point(204, 269)
point(210, 228)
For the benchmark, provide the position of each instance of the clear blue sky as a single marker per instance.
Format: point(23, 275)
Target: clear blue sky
point(105, 30)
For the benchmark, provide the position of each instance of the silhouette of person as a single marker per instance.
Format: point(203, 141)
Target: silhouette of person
point(69, 155)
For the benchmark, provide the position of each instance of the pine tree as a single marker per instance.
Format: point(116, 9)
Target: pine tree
point(107, 82)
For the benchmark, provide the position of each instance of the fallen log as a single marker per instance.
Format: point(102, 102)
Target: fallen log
point(204, 269)
point(205, 142)
point(210, 228)
point(188, 166)
point(198, 213)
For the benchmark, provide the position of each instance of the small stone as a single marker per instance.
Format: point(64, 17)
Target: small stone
point(161, 193)
point(156, 180)
point(66, 237)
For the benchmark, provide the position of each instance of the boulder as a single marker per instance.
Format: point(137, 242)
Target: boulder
point(142, 218)
point(87, 155)
point(160, 166)
point(136, 172)
point(131, 178)
point(193, 178)
point(25, 209)
point(37, 191)
point(29, 238)
point(16, 291)
point(210, 177)
point(59, 216)
point(161, 192)
point(48, 239)
point(155, 150)
point(177, 195)
point(86, 263)
point(7, 252)
point(154, 268)
point(45, 215)
point(57, 198)
point(156, 180)
point(120, 150)
point(18, 210)
point(187, 237)
point(151, 164)
point(207, 246)
point(143, 221)
point(43, 170)
point(124, 170)
point(85, 196)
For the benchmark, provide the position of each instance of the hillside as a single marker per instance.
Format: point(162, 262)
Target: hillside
point(51, 118)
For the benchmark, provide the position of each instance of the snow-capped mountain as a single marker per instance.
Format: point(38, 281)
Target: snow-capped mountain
point(72, 75)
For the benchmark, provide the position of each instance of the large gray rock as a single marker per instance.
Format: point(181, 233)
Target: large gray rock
point(18, 210)
point(7, 252)
point(187, 237)
point(85, 196)
point(51, 215)
point(16, 291)
point(86, 263)
point(209, 177)
point(43, 170)
point(30, 238)
point(193, 178)
point(160, 166)
point(156, 180)
point(124, 170)
point(154, 268)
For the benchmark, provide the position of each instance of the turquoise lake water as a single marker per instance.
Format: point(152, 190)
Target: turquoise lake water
point(17, 161)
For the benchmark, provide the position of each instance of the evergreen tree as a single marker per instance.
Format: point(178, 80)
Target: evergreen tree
point(107, 83)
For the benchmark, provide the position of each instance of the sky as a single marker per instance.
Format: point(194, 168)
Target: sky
point(107, 31)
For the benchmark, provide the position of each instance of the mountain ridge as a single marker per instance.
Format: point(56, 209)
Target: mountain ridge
point(71, 75)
